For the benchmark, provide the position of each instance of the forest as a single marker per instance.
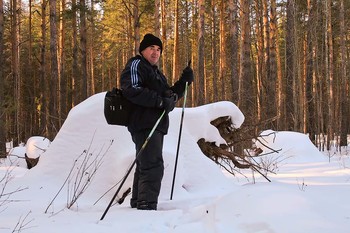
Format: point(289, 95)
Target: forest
point(284, 63)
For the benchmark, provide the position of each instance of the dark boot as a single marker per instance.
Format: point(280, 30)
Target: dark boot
point(144, 205)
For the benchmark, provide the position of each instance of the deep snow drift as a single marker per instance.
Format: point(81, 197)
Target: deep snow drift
point(307, 194)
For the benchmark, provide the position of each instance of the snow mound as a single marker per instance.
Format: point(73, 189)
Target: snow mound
point(288, 147)
point(36, 146)
point(87, 145)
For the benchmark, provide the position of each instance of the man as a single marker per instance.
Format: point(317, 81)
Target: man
point(147, 88)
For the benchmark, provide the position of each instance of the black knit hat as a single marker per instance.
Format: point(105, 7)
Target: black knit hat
point(148, 40)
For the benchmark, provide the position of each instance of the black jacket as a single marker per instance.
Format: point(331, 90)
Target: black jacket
point(144, 85)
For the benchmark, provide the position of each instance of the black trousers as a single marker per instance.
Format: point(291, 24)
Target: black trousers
point(149, 168)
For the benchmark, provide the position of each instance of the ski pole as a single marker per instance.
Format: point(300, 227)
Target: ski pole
point(178, 141)
point(133, 164)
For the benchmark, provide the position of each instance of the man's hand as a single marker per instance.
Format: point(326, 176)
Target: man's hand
point(168, 104)
point(187, 74)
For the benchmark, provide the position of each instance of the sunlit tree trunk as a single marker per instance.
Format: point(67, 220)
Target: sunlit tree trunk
point(136, 26)
point(344, 126)
point(290, 66)
point(272, 97)
point(200, 73)
point(260, 66)
point(63, 84)
point(330, 73)
point(188, 46)
point(223, 46)
point(164, 35)
point(74, 84)
point(233, 59)
point(15, 69)
point(246, 99)
point(194, 56)
point(2, 82)
point(54, 94)
point(214, 78)
point(42, 106)
point(157, 18)
point(273, 56)
point(91, 49)
point(83, 43)
point(32, 109)
point(267, 82)
point(310, 88)
point(176, 66)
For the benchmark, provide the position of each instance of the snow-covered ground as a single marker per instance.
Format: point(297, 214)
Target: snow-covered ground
point(309, 192)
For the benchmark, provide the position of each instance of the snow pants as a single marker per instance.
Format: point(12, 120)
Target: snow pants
point(149, 169)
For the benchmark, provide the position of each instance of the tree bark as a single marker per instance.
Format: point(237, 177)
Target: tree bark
point(74, 84)
point(246, 99)
point(215, 78)
point(42, 105)
point(233, 9)
point(92, 89)
point(164, 37)
point(63, 84)
point(136, 26)
point(222, 49)
point(290, 65)
point(2, 82)
point(200, 73)
point(157, 18)
point(260, 65)
point(176, 66)
point(53, 106)
point(310, 94)
point(330, 73)
point(344, 126)
point(272, 97)
point(83, 45)
point(15, 70)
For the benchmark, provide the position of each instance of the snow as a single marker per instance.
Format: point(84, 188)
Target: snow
point(308, 193)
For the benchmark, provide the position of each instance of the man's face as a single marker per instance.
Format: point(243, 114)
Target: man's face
point(152, 54)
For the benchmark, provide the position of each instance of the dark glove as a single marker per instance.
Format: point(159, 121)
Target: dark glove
point(187, 75)
point(168, 104)
point(170, 94)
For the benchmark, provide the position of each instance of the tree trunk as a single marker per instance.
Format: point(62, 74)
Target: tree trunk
point(310, 95)
point(175, 71)
point(164, 39)
point(53, 106)
point(344, 125)
point(63, 84)
point(15, 70)
point(43, 100)
point(246, 99)
point(214, 79)
point(290, 72)
point(330, 74)
point(157, 18)
point(272, 111)
point(188, 47)
point(232, 6)
point(222, 56)
point(74, 84)
point(200, 73)
point(83, 43)
point(92, 88)
point(260, 66)
point(2, 82)
point(136, 26)
point(32, 110)
point(268, 97)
